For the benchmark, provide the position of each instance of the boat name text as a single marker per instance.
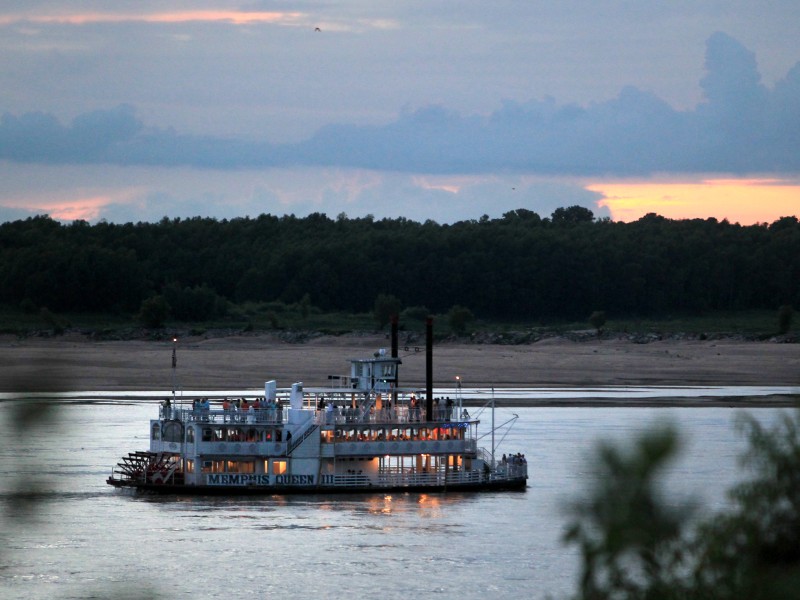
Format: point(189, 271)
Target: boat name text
point(255, 479)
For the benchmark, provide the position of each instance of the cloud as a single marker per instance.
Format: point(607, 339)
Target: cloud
point(130, 194)
point(741, 127)
point(236, 17)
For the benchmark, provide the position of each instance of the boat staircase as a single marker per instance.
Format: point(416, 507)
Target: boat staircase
point(296, 442)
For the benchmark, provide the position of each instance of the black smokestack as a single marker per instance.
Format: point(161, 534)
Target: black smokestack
point(394, 355)
point(394, 336)
point(429, 368)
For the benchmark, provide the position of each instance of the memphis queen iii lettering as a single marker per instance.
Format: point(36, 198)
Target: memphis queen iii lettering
point(236, 479)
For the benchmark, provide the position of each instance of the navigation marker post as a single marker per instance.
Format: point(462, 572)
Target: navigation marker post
point(174, 364)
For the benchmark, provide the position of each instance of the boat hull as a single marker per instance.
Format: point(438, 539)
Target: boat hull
point(223, 490)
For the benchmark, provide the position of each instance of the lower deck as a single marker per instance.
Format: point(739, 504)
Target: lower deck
point(164, 473)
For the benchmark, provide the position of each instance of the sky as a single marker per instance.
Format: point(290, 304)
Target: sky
point(133, 111)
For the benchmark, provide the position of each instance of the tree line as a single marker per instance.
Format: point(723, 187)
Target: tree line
point(518, 266)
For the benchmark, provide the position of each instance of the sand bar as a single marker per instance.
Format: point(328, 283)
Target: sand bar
point(75, 362)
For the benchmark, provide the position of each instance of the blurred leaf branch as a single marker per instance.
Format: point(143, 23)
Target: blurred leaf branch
point(635, 543)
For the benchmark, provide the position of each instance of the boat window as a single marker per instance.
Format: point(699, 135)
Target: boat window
point(219, 434)
point(189, 464)
point(240, 466)
point(253, 435)
point(233, 434)
point(208, 434)
point(213, 466)
point(156, 433)
point(190, 435)
point(278, 467)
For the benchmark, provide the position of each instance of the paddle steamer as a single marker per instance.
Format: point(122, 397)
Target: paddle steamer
point(362, 433)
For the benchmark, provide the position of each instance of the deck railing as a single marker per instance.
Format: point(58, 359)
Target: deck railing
point(401, 414)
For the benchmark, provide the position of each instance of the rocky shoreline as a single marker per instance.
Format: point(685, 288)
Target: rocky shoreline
point(504, 338)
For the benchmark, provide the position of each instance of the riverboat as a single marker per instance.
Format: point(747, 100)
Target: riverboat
point(362, 433)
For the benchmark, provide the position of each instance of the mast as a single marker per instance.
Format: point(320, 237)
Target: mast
point(493, 461)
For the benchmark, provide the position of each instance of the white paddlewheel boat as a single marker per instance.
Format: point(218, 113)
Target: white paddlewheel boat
point(362, 434)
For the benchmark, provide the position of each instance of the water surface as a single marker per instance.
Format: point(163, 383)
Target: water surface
point(88, 538)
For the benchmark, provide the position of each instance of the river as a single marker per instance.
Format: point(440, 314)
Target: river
point(86, 539)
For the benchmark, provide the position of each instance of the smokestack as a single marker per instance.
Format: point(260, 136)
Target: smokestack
point(394, 336)
point(394, 355)
point(429, 368)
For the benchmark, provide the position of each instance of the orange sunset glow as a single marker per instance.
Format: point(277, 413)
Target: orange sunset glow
point(744, 201)
point(85, 209)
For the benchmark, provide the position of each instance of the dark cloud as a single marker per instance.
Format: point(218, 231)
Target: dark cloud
point(742, 126)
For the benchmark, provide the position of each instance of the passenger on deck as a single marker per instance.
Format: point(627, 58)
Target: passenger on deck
point(226, 408)
point(204, 406)
point(166, 411)
point(329, 413)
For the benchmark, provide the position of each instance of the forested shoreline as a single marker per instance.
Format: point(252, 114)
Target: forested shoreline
point(519, 266)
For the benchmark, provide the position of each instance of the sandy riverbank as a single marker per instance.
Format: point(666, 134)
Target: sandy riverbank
point(246, 361)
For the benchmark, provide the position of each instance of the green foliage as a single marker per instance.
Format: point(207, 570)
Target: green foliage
point(753, 551)
point(517, 267)
point(385, 306)
point(28, 306)
point(305, 306)
point(272, 318)
point(785, 314)
point(637, 544)
point(597, 319)
point(458, 318)
point(415, 313)
point(626, 532)
point(153, 312)
point(198, 303)
point(57, 324)
point(572, 215)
